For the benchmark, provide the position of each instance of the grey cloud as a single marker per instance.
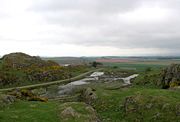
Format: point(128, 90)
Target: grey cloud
point(97, 22)
point(102, 6)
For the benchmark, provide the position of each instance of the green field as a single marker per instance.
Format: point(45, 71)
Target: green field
point(24, 111)
point(135, 66)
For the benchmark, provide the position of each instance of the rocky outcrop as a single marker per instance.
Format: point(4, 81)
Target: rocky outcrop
point(77, 112)
point(69, 112)
point(170, 77)
point(20, 67)
point(88, 95)
point(22, 60)
point(153, 108)
point(6, 99)
point(27, 95)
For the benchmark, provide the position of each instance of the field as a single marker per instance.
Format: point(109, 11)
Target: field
point(24, 111)
point(132, 63)
point(139, 64)
point(134, 66)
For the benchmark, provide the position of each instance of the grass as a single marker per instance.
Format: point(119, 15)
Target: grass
point(149, 79)
point(136, 66)
point(109, 105)
point(25, 111)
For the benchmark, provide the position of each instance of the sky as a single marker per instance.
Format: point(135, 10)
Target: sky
point(90, 27)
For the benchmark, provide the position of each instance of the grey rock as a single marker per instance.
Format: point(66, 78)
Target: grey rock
point(170, 76)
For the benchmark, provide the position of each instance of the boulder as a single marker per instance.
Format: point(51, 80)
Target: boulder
point(88, 95)
point(77, 112)
point(69, 112)
point(6, 99)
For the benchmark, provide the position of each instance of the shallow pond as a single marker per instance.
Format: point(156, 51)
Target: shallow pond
point(71, 87)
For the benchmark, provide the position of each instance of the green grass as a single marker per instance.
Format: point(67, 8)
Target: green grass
point(109, 105)
point(25, 111)
point(149, 79)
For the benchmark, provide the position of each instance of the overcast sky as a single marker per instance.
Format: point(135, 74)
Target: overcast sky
point(90, 27)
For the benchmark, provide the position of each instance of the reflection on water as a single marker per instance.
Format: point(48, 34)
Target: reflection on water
point(66, 89)
point(127, 80)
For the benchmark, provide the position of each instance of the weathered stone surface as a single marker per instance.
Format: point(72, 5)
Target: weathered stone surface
point(69, 112)
point(170, 77)
point(27, 95)
point(39, 91)
point(89, 95)
point(77, 112)
point(6, 99)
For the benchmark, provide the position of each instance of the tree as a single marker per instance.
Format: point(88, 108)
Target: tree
point(95, 64)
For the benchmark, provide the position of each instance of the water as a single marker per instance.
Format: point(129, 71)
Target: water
point(127, 80)
point(70, 88)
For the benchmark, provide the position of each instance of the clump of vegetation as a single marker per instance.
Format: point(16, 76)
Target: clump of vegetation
point(149, 79)
point(148, 69)
point(96, 64)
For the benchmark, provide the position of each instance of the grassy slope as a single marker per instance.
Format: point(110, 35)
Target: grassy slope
point(109, 106)
point(23, 77)
point(23, 111)
point(149, 79)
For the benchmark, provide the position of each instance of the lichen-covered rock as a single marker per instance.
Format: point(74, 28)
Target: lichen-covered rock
point(6, 99)
point(77, 112)
point(69, 112)
point(39, 91)
point(170, 77)
point(88, 95)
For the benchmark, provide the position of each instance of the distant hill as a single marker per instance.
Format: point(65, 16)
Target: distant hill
point(69, 60)
point(22, 60)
